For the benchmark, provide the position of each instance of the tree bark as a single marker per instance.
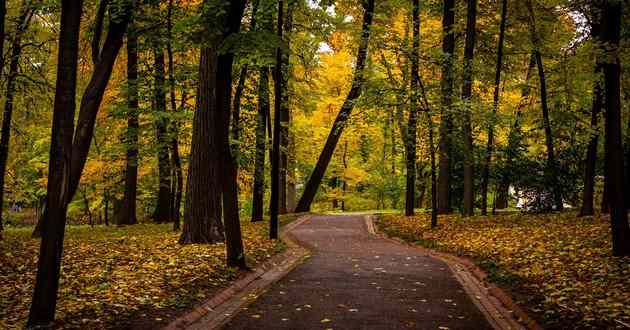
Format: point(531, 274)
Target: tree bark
point(552, 166)
point(162, 213)
point(42, 311)
point(410, 158)
point(485, 172)
point(614, 148)
point(285, 112)
point(276, 157)
point(446, 124)
point(315, 180)
point(469, 51)
point(127, 212)
point(258, 190)
point(202, 208)
point(16, 50)
point(177, 176)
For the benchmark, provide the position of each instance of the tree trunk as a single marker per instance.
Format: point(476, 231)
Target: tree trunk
point(127, 213)
point(344, 184)
point(162, 211)
point(258, 190)
point(434, 197)
point(228, 169)
point(315, 180)
point(552, 166)
point(276, 157)
point(93, 95)
point(178, 185)
point(16, 50)
point(614, 149)
point(202, 208)
point(591, 153)
point(285, 112)
point(469, 51)
point(42, 311)
point(410, 158)
point(485, 172)
point(446, 124)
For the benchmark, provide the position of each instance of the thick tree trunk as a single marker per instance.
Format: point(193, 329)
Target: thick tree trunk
point(42, 312)
point(446, 124)
point(162, 211)
point(412, 123)
point(469, 51)
point(485, 172)
point(552, 166)
point(614, 149)
point(258, 190)
point(202, 208)
point(315, 180)
point(16, 50)
point(127, 212)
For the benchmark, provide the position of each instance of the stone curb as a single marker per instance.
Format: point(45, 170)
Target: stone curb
point(218, 310)
point(498, 307)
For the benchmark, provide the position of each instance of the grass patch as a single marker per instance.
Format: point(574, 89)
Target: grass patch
point(558, 266)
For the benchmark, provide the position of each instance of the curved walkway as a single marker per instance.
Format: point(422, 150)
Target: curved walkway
point(355, 280)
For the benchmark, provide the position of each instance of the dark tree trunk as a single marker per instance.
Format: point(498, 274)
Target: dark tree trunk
point(591, 153)
point(42, 311)
point(261, 139)
point(315, 180)
point(93, 95)
point(276, 157)
point(446, 124)
point(177, 176)
point(434, 197)
point(127, 212)
point(285, 111)
point(162, 211)
point(202, 208)
point(485, 172)
point(16, 50)
point(469, 51)
point(552, 166)
point(228, 170)
point(344, 184)
point(410, 154)
point(236, 111)
point(614, 149)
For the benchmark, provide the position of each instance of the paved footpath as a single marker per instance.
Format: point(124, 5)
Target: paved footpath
point(355, 280)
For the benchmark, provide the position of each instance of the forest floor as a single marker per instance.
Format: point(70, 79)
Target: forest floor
point(558, 267)
point(130, 277)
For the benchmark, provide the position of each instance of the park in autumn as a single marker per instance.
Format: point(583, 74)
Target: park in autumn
point(315, 164)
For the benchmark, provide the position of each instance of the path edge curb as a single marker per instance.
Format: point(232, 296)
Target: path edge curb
point(249, 281)
point(504, 300)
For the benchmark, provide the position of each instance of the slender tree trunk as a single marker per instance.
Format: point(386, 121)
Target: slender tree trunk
point(344, 184)
point(276, 157)
point(614, 149)
point(127, 213)
point(469, 51)
point(315, 180)
point(552, 166)
point(410, 193)
point(285, 112)
point(42, 311)
point(591, 153)
point(258, 190)
point(446, 124)
point(228, 169)
point(104, 59)
point(16, 50)
point(434, 197)
point(162, 211)
point(177, 176)
point(485, 172)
